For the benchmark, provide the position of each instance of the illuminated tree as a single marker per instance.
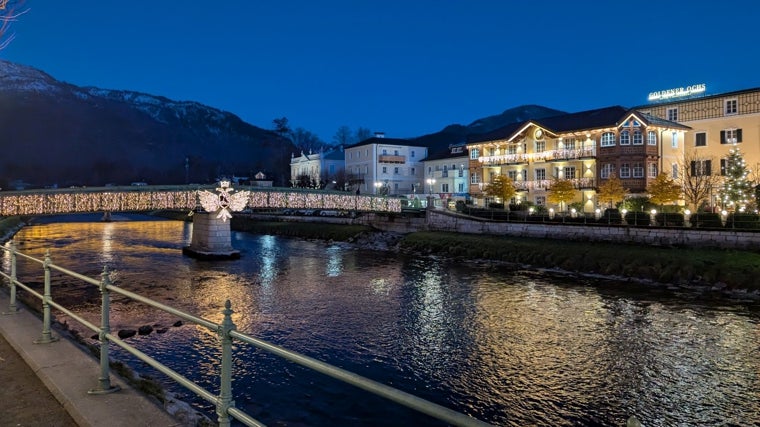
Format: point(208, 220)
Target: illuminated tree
point(697, 178)
point(10, 11)
point(737, 188)
point(501, 187)
point(663, 190)
point(612, 191)
point(561, 191)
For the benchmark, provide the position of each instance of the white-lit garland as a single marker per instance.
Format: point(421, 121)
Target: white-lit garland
point(141, 200)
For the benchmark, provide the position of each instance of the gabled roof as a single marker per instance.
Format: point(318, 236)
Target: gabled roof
point(385, 141)
point(651, 120)
point(448, 154)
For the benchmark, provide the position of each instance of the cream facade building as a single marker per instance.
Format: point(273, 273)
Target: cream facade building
point(389, 166)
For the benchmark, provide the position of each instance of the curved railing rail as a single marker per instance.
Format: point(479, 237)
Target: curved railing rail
point(225, 409)
point(142, 198)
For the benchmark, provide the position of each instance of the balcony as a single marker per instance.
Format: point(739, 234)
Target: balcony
point(388, 158)
point(545, 184)
point(544, 156)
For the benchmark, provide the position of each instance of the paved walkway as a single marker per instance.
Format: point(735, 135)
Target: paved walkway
point(57, 394)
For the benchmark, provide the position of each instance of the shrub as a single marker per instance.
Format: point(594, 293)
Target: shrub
point(706, 220)
point(637, 218)
point(493, 205)
point(610, 216)
point(669, 219)
point(743, 220)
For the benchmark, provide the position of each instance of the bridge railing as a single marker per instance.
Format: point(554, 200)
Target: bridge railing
point(143, 198)
point(226, 331)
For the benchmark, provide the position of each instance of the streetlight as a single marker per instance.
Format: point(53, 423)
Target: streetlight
point(378, 184)
point(430, 182)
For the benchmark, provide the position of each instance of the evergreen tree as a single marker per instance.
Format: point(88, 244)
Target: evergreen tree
point(736, 191)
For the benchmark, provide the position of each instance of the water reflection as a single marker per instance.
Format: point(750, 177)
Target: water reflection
point(512, 348)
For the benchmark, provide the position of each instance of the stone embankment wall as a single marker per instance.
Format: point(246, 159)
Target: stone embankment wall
point(727, 239)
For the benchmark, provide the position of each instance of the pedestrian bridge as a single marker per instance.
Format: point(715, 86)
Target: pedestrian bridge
point(144, 198)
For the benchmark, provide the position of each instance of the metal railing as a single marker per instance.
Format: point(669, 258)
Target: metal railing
point(226, 331)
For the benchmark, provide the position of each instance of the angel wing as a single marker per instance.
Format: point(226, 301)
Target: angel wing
point(208, 200)
point(238, 201)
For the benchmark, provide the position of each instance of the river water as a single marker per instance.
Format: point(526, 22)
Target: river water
point(510, 347)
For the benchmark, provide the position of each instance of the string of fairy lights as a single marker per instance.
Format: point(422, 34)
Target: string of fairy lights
point(736, 191)
point(124, 201)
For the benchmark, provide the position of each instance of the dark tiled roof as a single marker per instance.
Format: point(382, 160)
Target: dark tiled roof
point(500, 133)
point(447, 154)
point(584, 120)
point(335, 155)
point(656, 121)
point(387, 141)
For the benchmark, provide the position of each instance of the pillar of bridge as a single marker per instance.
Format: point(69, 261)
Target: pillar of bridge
point(211, 238)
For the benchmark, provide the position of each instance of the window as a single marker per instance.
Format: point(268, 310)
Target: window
point(351, 155)
point(512, 175)
point(608, 139)
point(366, 152)
point(512, 149)
point(570, 144)
point(625, 170)
point(731, 107)
point(413, 171)
point(570, 172)
point(385, 169)
point(474, 153)
point(395, 152)
point(385, 151)
point(730, 136)
point(525, 174)
point(444, 188)
point(395, 170)
point(430, 170)
point(638, 139)
point(540, 146)
point(653, 170)
point(608, 170)
point(395, 187)
point(461, 171)
point(700, 139)
point(540, 174)
point(638, 170)
point(674, 173)
point(461, 188)
point(625, 138)
point(411, 153)
point(674, 140)
point(672, 114)
point(652, 137)
point(702, 167)
point(474, 178)
point(541, 200)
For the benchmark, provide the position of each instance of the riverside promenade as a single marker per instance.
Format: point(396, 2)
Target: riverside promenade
point(66, 372)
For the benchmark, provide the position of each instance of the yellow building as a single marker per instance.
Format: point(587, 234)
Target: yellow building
point(716, 123)
point(585, 148)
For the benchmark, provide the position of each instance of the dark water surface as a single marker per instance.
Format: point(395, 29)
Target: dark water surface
point(512, 348)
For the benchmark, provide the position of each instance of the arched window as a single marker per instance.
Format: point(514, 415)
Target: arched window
point(625, 138)
point(637, 138)
point(608, 139)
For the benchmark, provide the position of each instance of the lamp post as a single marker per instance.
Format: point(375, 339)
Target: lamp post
point(378, 184)
point(431, 183)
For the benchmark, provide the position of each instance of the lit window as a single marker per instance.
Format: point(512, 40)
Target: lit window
point(608, 139)
point(674, 140)
point(474, 153)
point(608, 170)
point(731, 107)
point(512, 149)
point(652, 138)
point(474, 178)
point(570, 144)
point(730, 136)
point(570, 172)
point(625, 138)
point(672, 114)
point(540, 146)
point(638, 138)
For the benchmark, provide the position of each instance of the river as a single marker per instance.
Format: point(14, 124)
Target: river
point(510, 347)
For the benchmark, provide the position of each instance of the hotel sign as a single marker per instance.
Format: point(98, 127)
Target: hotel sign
point(678, 92)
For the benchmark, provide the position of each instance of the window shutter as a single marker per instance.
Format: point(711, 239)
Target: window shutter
point(738, 135)
point(723, 167)
point(708, 164)
point(693, 168)
point(722, 137)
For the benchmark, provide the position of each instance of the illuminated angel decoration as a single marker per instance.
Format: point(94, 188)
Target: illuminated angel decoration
point(223, 200)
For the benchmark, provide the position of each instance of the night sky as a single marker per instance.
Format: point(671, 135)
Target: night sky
point(406, 68)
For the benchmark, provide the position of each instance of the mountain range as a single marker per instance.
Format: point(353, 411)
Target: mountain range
point(56, 133)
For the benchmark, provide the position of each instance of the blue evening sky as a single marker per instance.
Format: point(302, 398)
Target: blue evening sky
point(404, 67)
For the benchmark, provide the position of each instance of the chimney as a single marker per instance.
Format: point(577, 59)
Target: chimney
point(379, 134)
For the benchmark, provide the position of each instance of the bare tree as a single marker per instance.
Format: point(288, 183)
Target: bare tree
point(362, 134)
point(343, 136)
point(10, 12)
point(697, 178)
point(306, 141)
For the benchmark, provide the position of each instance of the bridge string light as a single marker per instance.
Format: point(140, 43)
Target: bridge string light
point(121, 201)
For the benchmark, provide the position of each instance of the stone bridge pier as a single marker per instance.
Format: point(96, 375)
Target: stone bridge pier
point(211, 238)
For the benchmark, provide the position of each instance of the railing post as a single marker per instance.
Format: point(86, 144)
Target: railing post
point(12, 306)
point(104, 381)
point(224, 401)
point(47, 336)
